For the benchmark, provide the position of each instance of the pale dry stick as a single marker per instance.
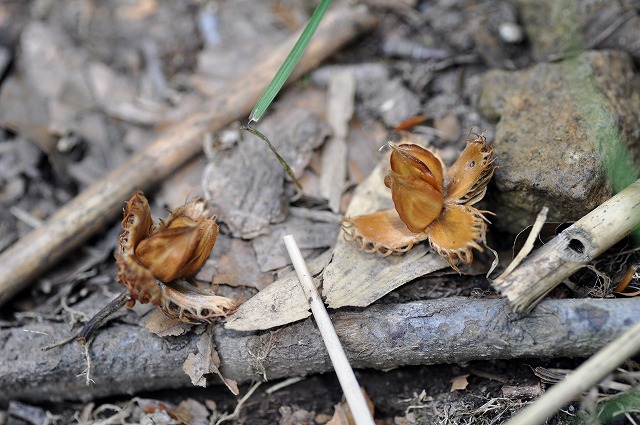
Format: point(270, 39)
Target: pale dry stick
point(587, 375)
point(346, 377)
point(280, 385)
point(340, 106)
point(99, 204)
point(241, 402)
point(572, 249)
point(528, 244)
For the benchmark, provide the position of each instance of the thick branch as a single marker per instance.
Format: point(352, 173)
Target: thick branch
point(98, 204)
point(127, 358)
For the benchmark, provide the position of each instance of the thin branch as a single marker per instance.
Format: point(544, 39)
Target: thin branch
point(127, 358)
point(102, 316)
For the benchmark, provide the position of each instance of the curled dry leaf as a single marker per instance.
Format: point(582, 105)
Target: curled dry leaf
point(459, 382)
point(154, 259)
point(342, 413)
point(430, 203)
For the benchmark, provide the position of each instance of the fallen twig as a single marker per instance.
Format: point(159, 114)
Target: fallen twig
point(572, 249)
point(126, 358)
point(88, 212)
point(102, 316)
point(241, 402)
point(340, 106)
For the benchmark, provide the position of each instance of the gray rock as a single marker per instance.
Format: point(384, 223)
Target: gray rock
point(567, 135)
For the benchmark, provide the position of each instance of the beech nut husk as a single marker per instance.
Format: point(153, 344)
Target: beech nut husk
point(430, 203)
point(154, 259)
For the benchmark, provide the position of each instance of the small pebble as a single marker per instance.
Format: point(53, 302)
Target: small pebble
point(510, 32)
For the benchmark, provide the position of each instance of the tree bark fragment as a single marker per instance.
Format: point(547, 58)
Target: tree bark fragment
point(128, 359)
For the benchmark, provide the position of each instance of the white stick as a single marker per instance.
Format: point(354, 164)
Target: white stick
point(587, 375)
point(341, 365)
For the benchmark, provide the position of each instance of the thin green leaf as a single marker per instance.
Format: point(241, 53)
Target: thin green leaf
point(275, 152)
point(290, 62)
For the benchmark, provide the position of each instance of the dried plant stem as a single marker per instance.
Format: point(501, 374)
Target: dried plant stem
point(346, 377)
point(528, 245)
point(102, 316)
point(88, 212)
point(587, 375)
point(572, 249)
point(241, 402)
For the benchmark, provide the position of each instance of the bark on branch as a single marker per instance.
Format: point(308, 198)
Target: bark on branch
point(127, 359)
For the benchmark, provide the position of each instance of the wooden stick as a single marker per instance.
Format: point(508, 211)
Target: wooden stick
point(340, 106)
point(99, 204)
point(127, 358)
point(572, 249)
point(586, 376)
point(346, 377)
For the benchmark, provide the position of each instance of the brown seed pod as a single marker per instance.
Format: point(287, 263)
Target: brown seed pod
point(153, 260)
point(430, 203)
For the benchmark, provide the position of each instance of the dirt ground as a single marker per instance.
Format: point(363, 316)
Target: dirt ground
point(85, 84)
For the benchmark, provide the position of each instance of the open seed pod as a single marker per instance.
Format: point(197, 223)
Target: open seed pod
point(154, 260)
point(430, 203)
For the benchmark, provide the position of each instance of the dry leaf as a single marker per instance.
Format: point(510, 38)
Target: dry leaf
point(163, 326)
point(205, 362)
point(459, 382)
point(280, 303)
point(342, 413)
point(191, 412)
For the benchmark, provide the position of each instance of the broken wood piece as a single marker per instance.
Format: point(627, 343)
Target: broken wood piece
point(572, 249)
point(245, 183)
point(126, 358)
point(340, 106)
point(88, 212)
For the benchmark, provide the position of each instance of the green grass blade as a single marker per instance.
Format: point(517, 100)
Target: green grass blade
point(290, 62)
point(275, 152)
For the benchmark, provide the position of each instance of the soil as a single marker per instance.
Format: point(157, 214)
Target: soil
point(158, 59)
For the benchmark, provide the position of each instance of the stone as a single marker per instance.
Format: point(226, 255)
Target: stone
point(566, 136)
